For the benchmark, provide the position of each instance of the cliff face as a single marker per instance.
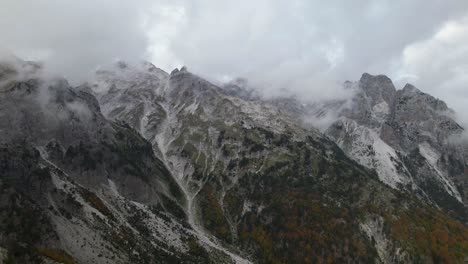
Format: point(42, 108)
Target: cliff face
point(407, 136)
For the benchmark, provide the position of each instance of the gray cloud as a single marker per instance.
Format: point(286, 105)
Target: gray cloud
point(308, 47)
point(73, 37)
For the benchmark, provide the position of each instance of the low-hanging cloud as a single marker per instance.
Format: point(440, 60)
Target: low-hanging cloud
point(74, 37)
point(305, 47)
point(308, 47)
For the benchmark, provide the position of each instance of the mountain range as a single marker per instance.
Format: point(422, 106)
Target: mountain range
point(143, 166)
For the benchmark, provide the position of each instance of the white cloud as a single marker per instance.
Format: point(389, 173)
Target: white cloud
point(439, 65)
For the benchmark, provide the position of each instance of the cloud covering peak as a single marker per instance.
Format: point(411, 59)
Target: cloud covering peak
point(73, 37)
point(307, 47)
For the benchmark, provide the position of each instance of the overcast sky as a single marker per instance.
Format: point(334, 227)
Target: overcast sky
point(305, 46)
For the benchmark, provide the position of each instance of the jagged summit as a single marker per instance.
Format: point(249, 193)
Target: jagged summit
point(409, 88)
point(388, 130)
point(379, 77)
point(175, 71)
point(412, 96)
point(379, 88)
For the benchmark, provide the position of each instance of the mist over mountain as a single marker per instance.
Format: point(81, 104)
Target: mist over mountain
point(307, 47)
point(143, 166)
point(297, 131)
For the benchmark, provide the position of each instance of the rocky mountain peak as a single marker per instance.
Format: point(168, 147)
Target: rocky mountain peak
point(413, 97)
point(379, 88)
point(175, 71)
point(409, 88)
point(388, 130)
point(153, 69)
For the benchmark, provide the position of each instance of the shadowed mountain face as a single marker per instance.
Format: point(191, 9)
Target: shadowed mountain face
point(178, 170)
